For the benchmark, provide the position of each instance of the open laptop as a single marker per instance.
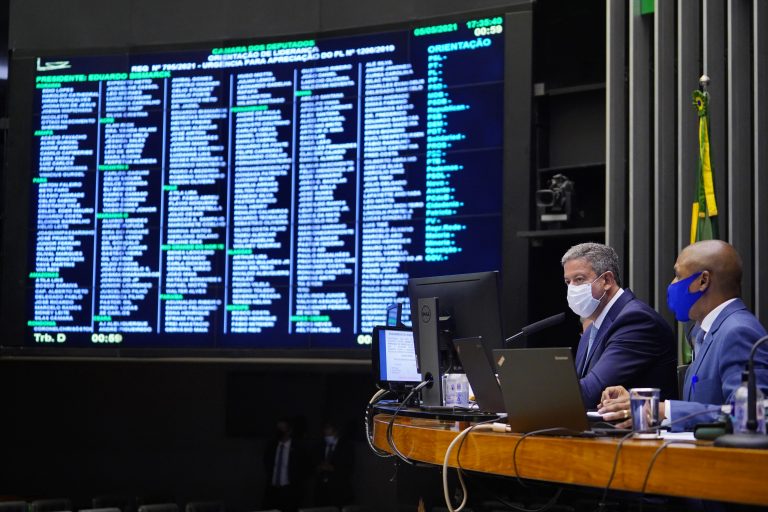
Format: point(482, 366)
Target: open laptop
point(541, 391)
point(480, 374)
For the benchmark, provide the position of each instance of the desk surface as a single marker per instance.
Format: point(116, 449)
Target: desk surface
point(686, 470)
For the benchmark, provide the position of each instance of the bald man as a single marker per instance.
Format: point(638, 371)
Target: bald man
point(706, 288)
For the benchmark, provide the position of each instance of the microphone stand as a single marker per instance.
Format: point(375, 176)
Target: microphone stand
point(751, 438)
point(536, 327)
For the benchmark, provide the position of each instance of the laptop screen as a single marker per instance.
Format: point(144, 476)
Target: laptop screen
point(540, 389)
point(397, 356)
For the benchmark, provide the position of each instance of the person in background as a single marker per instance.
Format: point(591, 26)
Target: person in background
point(333, 469)
point(285, 465)
point(707, 289)
point(625, 341)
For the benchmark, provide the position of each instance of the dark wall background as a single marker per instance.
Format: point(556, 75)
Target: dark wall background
point(41, 24)
point(195, 430)
point(179, 432)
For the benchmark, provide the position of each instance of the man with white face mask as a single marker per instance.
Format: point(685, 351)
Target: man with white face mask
point(628, 343)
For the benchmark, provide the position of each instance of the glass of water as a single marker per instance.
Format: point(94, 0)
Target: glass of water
point(644, 405)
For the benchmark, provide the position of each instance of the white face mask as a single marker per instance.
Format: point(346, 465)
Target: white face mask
point(580, 298)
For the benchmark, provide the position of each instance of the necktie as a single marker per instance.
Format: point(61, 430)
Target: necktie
point(278, 465)
point(592, 336)
point(699, 342)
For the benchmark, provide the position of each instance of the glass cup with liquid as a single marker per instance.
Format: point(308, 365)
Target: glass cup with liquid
point(644, 406)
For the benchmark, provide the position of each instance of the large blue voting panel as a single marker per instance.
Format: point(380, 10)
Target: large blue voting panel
point(260, 194)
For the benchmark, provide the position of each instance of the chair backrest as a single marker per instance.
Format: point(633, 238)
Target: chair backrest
point(123, 503)
point(51, 505)
point(205, 506)
point(13, 506)
point(159, 507)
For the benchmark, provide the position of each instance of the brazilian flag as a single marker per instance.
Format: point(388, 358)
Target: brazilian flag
point(704, 212)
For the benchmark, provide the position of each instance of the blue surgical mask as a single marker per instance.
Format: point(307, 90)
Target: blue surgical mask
point(680, 300)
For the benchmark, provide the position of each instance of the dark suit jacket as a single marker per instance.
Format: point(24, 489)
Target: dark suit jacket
point(341, 458)
point(298, 462)
point(334, 486)
point(718, 365)
point(634, 347)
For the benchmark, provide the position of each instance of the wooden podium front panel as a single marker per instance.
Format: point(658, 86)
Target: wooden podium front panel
point(688, 470)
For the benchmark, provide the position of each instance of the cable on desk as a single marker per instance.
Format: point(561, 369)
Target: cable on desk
point(602, 504)
point(553, 500)
point(529, 434)
point(653, 461)
point(390, 438)
point(368, 435)
point(459, 438)
point(496, 427)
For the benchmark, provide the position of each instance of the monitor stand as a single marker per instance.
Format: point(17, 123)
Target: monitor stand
point(428, 319)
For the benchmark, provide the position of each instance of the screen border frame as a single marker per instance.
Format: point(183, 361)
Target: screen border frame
point(516, 182)
point(392, 385)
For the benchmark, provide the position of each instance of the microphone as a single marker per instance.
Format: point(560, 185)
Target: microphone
point(538, 326)
point(750, 439)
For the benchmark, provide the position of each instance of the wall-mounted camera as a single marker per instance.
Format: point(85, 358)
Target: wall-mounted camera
point(555, 201)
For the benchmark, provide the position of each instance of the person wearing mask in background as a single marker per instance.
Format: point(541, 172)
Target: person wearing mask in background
point(707, 289)
point(626, 343)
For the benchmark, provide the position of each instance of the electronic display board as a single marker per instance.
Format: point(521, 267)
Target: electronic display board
point(261, 195)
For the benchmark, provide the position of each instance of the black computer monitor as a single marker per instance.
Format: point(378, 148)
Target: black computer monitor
point(468, 306)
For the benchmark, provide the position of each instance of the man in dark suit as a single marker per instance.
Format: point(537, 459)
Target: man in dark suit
point(334, 459)
point(285, 467)
point(627, 342)
point(706, 288)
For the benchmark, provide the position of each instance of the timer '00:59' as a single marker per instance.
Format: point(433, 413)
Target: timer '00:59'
point(106, 338)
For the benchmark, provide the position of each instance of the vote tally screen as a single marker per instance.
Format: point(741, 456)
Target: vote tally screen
point(270, 195)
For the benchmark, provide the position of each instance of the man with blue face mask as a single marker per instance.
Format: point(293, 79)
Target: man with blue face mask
point(627, 343)
point(706, 288)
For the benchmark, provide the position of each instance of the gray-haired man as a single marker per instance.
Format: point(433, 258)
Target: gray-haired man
point(628, 343)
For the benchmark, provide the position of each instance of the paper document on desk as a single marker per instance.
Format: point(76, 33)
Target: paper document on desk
point(678, 436)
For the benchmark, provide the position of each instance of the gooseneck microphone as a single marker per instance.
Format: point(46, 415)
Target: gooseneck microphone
point(537, 326)
point(752, 438)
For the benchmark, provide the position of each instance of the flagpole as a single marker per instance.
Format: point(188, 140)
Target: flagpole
point(703, 83)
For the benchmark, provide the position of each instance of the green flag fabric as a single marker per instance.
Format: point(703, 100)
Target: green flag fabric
point(704, 211)
point(704, 214)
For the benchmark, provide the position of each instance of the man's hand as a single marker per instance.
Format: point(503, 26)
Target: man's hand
point(614, 405)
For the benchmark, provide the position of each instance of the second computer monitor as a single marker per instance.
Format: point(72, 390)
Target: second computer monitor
point(470, 301)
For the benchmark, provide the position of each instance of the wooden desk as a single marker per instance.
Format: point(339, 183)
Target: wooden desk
point(694, 471)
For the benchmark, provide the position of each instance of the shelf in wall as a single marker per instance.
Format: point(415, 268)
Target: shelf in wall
point(575, 167)
point(551, 233)
point(574, 89)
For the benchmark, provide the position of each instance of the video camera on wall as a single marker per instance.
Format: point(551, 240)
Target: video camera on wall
point(554, 203)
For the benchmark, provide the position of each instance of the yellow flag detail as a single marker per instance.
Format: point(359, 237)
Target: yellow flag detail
point(694, 221)
point(706, 169)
